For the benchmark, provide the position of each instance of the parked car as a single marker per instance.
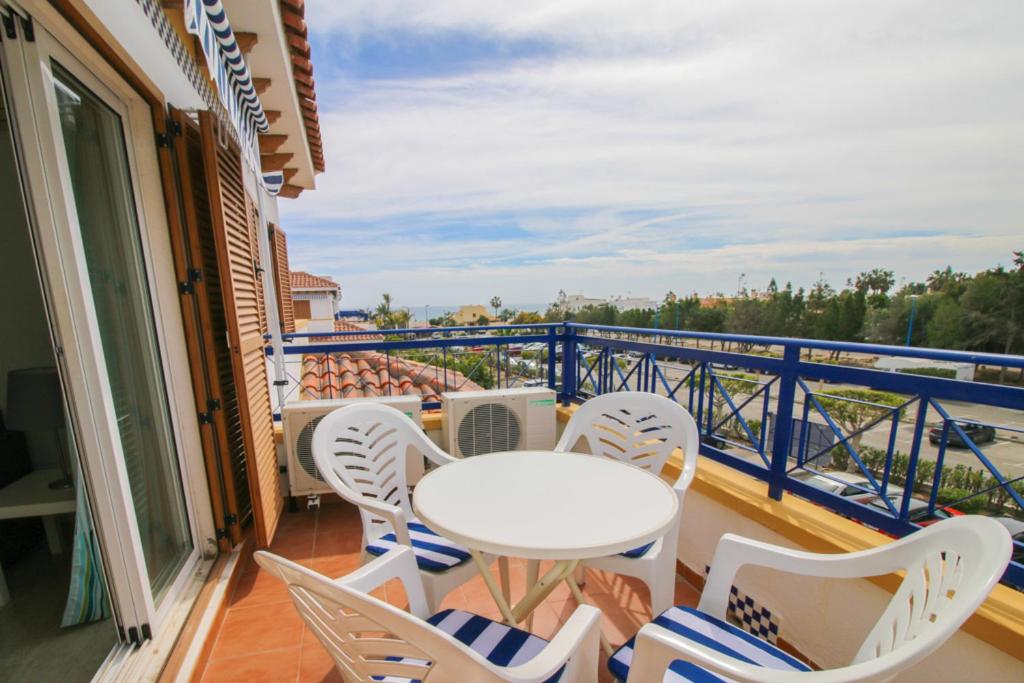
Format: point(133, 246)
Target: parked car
point(1016, 529)
point(535, 383)
point(850, 485)
point(918, 512)
point(976, 432)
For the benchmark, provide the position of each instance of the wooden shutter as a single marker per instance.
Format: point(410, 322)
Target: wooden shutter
point(283, 278)
point(195, 264)
point(235, 225)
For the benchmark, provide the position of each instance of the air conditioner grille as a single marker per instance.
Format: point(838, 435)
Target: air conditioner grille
point(304, 448)
point(489, 428)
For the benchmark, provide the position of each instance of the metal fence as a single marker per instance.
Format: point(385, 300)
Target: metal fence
point(896, 453)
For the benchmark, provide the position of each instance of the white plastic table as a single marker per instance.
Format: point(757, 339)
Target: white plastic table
point(543, 505)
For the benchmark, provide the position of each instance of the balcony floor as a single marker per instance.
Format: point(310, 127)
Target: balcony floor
point(262, 637)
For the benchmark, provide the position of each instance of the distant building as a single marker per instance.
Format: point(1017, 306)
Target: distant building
point(315, 299)
point(628, 303)
point(469, 315)
point(577, 302)
point(574, 303)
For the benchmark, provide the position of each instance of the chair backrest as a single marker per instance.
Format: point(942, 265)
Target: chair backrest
point(638, 428)
point(950, 569)
point(369, 639)
point(362, 448)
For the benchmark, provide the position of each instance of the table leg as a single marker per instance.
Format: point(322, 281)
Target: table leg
point(559, 572)
point(506, 591)
point(532, 571)
point(5, 596)
point(53, 534)
point(499, 600)
point(578, 594)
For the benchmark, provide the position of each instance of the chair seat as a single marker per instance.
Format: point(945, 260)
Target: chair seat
point(712, 633)
point(498, 643)
point(434, 553)
point(638, 552)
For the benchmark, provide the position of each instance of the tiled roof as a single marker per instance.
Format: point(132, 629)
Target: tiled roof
point(303, 280)
point(294, 23)
point(367, 373)
point(346, 326)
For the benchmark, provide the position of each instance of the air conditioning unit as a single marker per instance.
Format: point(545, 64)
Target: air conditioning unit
point(300, 418)
point(476, 422)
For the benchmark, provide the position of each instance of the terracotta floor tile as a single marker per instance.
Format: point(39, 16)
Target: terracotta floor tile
point(249, 630)
point(257, 587)
point(273, 666)
point(334, 566)
point(316, 666)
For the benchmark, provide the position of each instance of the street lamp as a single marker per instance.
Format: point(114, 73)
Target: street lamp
point(426, 313)
point(910, 323)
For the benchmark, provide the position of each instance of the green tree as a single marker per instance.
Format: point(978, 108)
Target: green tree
point(876, 283)
point(527, 318)
point(382, 314)
point(495, 304)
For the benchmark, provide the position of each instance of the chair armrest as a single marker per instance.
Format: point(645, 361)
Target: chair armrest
point(392, 513)
point(568, 439)
point(435, 454)
point(579, 639)
point(656, 648)
point(735, 551)
point(397, 563)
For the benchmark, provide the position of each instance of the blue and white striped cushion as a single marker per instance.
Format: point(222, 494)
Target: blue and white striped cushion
point(433, 552)
point(638, 552)
point(498, 643)
point(714, 634)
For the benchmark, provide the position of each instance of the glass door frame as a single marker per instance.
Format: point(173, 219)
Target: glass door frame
point(79, 348)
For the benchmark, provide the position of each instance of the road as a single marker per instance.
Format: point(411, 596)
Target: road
point(1006, 453)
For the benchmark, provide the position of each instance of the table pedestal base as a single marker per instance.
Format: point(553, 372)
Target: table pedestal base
point(539, 589)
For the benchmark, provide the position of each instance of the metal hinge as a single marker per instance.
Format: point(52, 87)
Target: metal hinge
point(212, 405)
point(231, 519)
point(9, 26)
point(147, 634)
point(163, 140)
point(174, 127)
point(222, 534)
point(188, 286)
point(206, 418)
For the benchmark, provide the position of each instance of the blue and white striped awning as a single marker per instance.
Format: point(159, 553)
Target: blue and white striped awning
point(208, 20)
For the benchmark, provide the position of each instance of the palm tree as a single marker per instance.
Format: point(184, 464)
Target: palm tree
point(495, 304)
point(383, 311)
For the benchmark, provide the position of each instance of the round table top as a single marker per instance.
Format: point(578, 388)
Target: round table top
point(545, 505)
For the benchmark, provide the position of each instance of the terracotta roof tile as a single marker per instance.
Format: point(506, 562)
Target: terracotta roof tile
point(366, 373)
point(304, 280)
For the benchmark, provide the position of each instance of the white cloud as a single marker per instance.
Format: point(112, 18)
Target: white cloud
point(790, 128)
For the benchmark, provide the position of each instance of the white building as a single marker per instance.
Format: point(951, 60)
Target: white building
point(315, 299)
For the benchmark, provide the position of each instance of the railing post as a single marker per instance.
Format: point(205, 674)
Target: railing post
point(568, 365)
point(783, 421)
point(552, 356)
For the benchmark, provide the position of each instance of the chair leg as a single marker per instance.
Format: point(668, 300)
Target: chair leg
point(580, 577)
point(433, 600)
point(663, 592)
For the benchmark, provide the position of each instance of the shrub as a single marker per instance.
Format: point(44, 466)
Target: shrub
point(944, 373)
point(971, 506)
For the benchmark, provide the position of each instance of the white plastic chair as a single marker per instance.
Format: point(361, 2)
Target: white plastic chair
point(641, 429)
point(360, 451)
point(950, 568)
point(371, 640)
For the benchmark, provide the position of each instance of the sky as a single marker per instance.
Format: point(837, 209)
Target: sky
point(478, 148)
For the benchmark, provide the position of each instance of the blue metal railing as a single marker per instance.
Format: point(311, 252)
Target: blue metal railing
point(759, 412)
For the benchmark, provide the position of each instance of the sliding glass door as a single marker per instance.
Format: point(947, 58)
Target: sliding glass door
point(90, 163)
point(94, 146)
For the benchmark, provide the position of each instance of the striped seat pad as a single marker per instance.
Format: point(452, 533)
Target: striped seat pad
point(433, 552)
point(638, 552)
point(714, 634)
point(498, 643)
